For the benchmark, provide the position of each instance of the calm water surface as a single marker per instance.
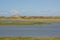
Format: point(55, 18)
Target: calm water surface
point(52, 29)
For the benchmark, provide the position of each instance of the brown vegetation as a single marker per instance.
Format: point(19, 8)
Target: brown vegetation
point(33, 18)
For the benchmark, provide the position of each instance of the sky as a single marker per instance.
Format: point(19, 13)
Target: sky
point(30, 7)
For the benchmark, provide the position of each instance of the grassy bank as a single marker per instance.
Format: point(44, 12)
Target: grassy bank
point(21, 23)
point(29, 38)
point(37, 20)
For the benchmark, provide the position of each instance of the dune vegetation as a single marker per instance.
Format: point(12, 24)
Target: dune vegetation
point(32, 18)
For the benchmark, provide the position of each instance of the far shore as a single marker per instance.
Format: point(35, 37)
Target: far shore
point(32, 18)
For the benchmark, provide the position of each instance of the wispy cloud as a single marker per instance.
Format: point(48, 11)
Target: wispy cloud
point(30, 13)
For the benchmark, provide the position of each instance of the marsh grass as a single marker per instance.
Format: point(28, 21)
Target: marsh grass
point(29, 38)
point(21, 23)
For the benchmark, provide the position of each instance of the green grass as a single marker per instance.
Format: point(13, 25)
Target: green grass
point(28, 38)
point(21, 23)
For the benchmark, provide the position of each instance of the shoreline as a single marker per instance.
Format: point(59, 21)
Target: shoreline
point(37, 20)
point(22, 23)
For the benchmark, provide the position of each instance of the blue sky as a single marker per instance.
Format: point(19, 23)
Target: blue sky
point(30, 7)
